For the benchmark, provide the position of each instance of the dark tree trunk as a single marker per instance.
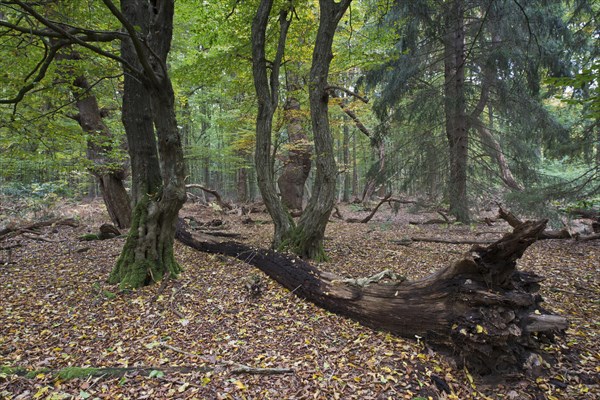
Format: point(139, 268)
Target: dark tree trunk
point(159, 189)
point(376, 174)
point(307, 240)
point(481, 308)
point(267, 94)
point(454, 106)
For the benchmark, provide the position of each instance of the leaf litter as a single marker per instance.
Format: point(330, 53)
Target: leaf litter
point(193, 338)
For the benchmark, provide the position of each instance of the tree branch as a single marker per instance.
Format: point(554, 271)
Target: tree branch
point(137, 43)
point(347, 91)
point(43, 68)
point(58, 29)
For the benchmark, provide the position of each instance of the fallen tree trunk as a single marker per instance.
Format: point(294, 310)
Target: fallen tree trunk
point(12, 231)
point(440, 240)
point(223, 204)
point(564, 233)
point(480, 307)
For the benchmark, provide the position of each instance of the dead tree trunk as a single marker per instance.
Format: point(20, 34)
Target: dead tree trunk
point(480, 308)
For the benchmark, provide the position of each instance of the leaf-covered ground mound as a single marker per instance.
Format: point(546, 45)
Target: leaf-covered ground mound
point(64, 331)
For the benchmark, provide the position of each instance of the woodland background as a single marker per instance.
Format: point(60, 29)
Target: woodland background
point(366, 135)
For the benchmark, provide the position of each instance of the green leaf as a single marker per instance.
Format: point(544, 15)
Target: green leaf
point(156, 374)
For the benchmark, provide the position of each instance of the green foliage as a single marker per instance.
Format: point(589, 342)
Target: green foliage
point(564, 184)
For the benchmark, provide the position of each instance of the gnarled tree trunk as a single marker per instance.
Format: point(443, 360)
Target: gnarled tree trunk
point(267, 87)
point(109, 173)
point(307, 239)
point(480, 307)
point(148, 104)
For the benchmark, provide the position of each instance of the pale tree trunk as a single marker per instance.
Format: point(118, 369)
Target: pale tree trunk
point(109, 173)
point(267, 94)
point(242, 185)
point(346, 159)
point(308, 236)
point(454, 106)
point(148, 104)
point(297, 166)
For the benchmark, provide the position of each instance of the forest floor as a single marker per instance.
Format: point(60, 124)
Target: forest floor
point(193, 337)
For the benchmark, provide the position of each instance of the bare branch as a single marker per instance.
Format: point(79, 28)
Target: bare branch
point(43, 68)
point(347, 91)
point(74, 39)
point(137, 43)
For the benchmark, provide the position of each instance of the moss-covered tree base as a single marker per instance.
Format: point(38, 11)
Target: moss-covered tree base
point(299, 243)
point(147, 256)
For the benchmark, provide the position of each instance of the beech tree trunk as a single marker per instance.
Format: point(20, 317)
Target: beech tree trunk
point(454, 107)
point(480, 307)
point(148, 104)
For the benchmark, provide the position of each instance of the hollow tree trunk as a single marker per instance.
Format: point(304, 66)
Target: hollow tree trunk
point(454, 107)
point(480, 308)
point(158, 189)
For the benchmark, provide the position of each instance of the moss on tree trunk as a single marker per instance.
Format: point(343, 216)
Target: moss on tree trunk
point(147, 256)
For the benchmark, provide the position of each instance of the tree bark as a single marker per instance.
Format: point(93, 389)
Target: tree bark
point(109, 173)
point(307, 240)
point(480, 308)
point(454, 106)
point(267, 94)
point(148, 104)
point(297, 166)
point(346, 159)
point(492, 147)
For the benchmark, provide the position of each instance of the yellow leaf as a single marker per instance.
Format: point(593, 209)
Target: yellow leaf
point(240, 385)
point(479, 329)
point(41, 392)
point(182, 388)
